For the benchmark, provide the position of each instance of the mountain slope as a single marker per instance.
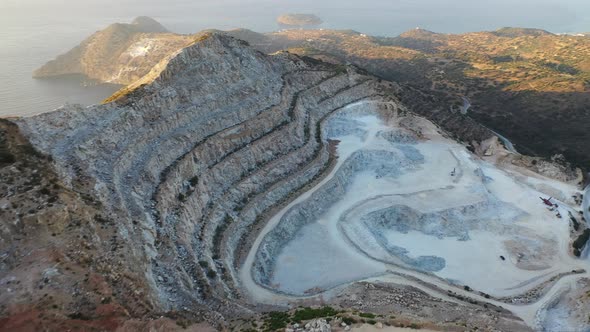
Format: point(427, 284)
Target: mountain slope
point(520, 32)
point(63, 262)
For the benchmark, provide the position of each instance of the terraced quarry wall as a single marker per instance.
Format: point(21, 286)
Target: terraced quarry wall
point(190, 163)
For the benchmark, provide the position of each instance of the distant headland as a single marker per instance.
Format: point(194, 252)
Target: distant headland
point(298, 20)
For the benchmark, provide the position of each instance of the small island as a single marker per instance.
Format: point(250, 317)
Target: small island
point(298, 21)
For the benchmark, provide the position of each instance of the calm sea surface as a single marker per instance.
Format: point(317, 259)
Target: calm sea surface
point(35, 31)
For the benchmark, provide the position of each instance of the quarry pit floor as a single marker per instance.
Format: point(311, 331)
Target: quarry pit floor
point(417, 208)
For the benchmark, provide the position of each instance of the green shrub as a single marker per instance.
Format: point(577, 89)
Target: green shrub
point(211, 274)
point(348, 320)
point(311, 313)
point(6, 157)
point(182, 323)
point(367, 315)
point(276, 320)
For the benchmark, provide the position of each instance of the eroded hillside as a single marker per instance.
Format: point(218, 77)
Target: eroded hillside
point(64, 263)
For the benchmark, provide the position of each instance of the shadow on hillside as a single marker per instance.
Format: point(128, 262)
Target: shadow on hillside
point(539, 123)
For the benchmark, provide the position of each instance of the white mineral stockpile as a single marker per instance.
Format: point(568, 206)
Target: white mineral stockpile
point(403, 199)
